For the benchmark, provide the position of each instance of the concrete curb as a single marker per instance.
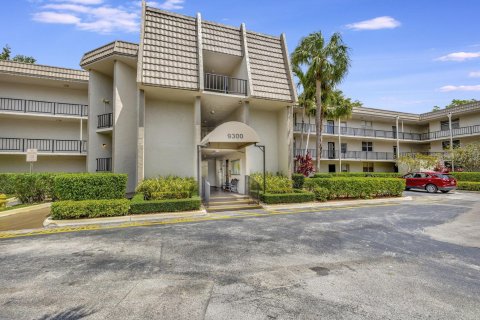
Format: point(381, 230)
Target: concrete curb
point(49, 222)
point(334, 203)
point(26, 209)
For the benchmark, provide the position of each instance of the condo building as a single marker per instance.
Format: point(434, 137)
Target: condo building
point(201, 99)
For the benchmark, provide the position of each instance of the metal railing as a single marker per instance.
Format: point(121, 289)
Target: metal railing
point(366, 132)
point(43, 145)
point(105, 121)
point(253, 189)
point(427, 153)
point(43, 107)
point(225, 84)
point(104, 164)
point(353, 155)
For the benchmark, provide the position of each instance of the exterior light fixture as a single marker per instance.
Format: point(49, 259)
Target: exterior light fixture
point(212, 111)
point(104, 145)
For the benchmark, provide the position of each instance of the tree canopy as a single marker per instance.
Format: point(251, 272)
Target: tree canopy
point(6, 55)
point(455, 103)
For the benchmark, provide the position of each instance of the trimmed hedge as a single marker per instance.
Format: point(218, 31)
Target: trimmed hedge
point(7, 183)
point(33, 187)
point(468, 185)
point(298, 180)
point(295, 197)
point(90, 186)
point(274, 183)
point(358, 175)
point(358, 187)
point(170, 187)
point(140, 205)
point(89, 208)
point(321, 194)
point(466, 176)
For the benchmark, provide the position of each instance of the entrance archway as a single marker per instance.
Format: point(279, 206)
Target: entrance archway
point(233, 136)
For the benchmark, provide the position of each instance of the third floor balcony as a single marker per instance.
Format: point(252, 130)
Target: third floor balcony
point(225, 84)
point(43, 107)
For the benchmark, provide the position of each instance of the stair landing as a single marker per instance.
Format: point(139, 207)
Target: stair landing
point(224, 201)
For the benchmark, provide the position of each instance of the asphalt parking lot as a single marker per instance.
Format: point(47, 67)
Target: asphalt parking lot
point(370, 262)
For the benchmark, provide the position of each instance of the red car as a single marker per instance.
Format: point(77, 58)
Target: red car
point(431, 181)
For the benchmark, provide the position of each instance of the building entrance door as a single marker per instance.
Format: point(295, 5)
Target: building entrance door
point(331, 168)
point(331, 150)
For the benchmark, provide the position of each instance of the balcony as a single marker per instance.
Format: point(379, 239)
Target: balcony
point(43, 107)
point(349, 155)
point(104, 164)
point(105, 121)
point(225, 84)
point(45, 146)
point(372, 133)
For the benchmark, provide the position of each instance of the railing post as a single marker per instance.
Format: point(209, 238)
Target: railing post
point(54, 108)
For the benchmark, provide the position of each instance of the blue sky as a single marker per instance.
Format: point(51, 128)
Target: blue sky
point(407, 55)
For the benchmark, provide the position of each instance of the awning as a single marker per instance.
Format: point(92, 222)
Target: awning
point(231, 135)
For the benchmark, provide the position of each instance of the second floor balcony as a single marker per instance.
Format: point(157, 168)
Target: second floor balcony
point(104, 164)
point(348, 155)
point(43, 107)
point(373, 133)
point(105, 121)
point(20, 145)
point(225, 84)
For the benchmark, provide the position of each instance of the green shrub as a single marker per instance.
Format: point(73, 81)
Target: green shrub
point(33, 187)
point(467, 176)
point(168, 185)
point(170, 195)
point(90, 186)
point(298, 180)
point(140, 205)
point(294, 197)
point(468, 185)
point(7, 183)
point(358, 175)
point(357, 187)
point(275, 183)
point(321, 194)
point(89, 208)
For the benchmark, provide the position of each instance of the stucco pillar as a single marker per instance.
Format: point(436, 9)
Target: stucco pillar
point(141, 137)
point(197, 132)
point(245, 113)
point(290, 140)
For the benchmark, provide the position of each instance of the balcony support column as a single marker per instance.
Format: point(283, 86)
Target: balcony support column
point(451, 138)
point(197, 135)
point(398, 137)
point(340, 147)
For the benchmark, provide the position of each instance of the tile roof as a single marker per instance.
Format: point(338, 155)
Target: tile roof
point(169, 52)
point(113, 48)
point(41, 71)
point(220, 38)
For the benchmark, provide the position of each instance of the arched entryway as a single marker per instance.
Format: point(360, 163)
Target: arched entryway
point(223, 149)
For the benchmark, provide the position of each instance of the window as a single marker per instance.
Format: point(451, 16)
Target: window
point(344, 148)
point(235, 167)
point(345, 167)
point(368, 167)
point(444, 124)
point(446, 144)
point(367, 124)
point(343, 127)
point(367, 146)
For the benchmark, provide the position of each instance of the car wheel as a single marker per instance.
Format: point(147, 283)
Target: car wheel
point(431, 188)
point(407, 189)
point(445, 191)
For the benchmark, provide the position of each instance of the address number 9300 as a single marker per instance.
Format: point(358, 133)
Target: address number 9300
point(235, 136)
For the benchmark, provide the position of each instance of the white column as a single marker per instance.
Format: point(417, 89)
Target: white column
point(398, 138)
point(81, 129)
point(339, 146)
point(451, 138)
point(197, 132)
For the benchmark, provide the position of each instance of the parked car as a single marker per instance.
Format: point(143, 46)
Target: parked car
point(431, 181)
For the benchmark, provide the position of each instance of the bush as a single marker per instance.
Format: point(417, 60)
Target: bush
point(357, 187)
point(7, 183)
point(322, 175)
point(140, 205)
point(298, 180)
point(33, 187)
point(170, 195)
point(466, 176)
point(321, 194)
point(358, 175)
point(89, 208)
point(295, 197)
point(90, 186)
point(275, 183)
point(171, 186)
point(468, 185)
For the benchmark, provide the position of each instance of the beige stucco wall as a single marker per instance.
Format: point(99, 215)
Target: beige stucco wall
point(125, 122)
point(45, 128)
point(45, 163)
point(265, 123)
point(169, 138)
point(100, 87)
point(43, 93)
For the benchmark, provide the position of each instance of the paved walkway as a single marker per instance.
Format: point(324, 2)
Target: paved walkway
point(30, 219)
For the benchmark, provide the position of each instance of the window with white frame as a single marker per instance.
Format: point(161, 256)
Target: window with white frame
point(444, 125)
point(367, 146)
point(367, 124)
point(446, 144)
point(345, 167)
point(368, 167)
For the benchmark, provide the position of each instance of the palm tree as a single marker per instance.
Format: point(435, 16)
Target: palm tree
point(326, 65)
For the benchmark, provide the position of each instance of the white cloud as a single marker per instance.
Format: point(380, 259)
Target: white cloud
point(460, 88)
point(378, 23)
point(474, 74)
point(98, 15)
point(170, 4)
point(459, 56)
point(54, 17)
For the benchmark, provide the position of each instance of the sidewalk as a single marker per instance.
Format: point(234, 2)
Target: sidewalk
point(24, 218)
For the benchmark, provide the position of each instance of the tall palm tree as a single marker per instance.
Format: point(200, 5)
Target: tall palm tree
point(326, 65)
